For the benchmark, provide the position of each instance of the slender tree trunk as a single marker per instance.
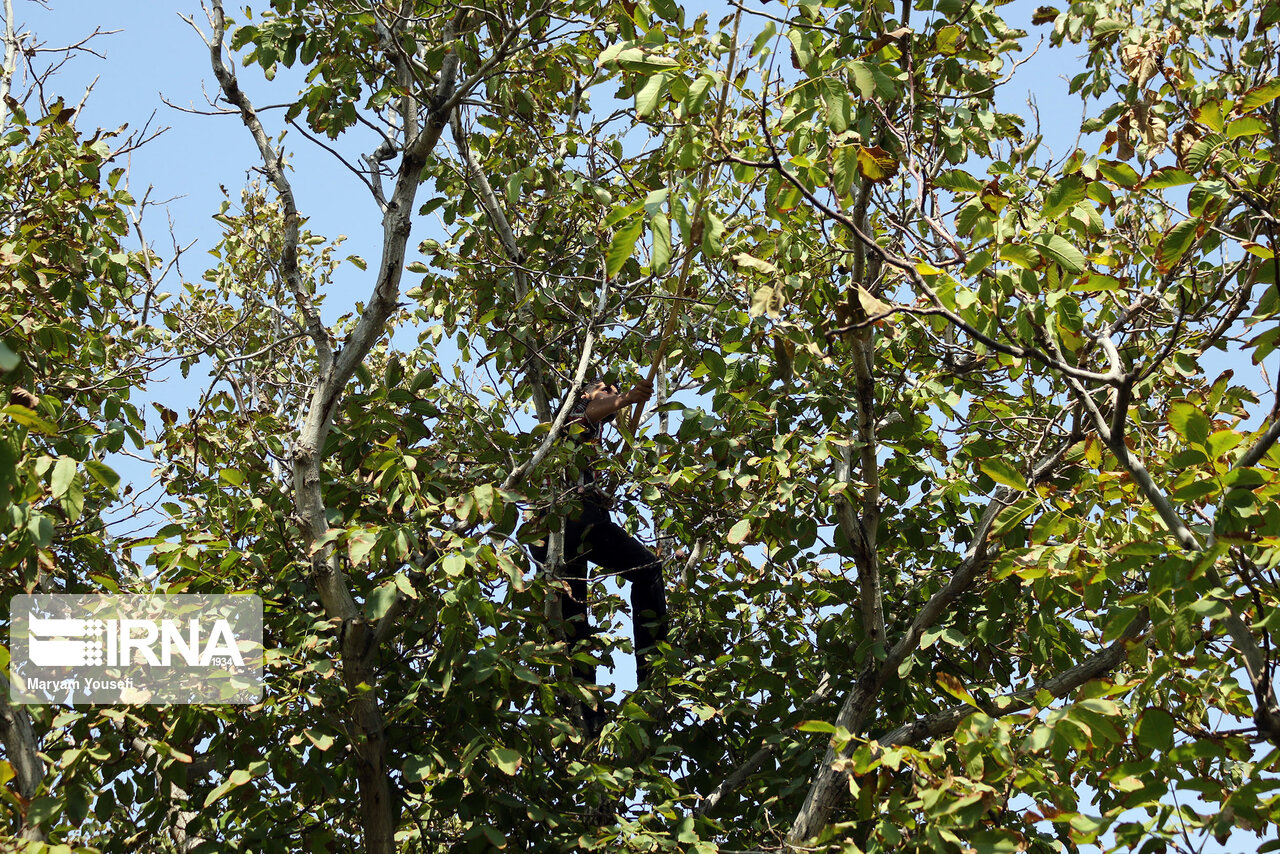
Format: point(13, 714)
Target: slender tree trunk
point(23, 753)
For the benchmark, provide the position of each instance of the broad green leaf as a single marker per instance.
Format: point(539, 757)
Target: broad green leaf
point(506, 759)
point(862, 78)
point(836, 97)
point(740, 531)
point(1189, 422)
point(8, 359)
point(1260, 96)
point(1003, 472)
point(696, 97)
point(64, 472)
point(661, 258)
point(1168, 177)
point(1063, 195)
point(1155, 730)
point(1175, 244)
point(622, 245)
point(1247, 126)
point(237, 778)
point(801, 46)
point(359, 544)
point(1120, 173)
point(816, 726)
point(28, 418)
point(453, 565)
point(380, 600)
point(959, 181)
point(712, 234)
point(1061, 252)
point(649, 95)
point(844, 162)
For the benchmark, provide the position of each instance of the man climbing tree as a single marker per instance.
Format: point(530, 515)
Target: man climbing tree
point(590, 535)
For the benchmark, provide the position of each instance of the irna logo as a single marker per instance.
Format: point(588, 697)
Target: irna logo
point(58, 642)
point(136, 648)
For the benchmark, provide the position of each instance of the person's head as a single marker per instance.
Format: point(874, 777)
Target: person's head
point(597, 387)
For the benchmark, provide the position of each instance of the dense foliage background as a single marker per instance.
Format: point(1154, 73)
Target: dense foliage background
point(963, 461)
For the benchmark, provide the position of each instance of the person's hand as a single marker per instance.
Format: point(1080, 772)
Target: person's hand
point(640, 392)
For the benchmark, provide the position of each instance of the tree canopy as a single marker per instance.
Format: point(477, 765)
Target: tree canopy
point(963, 463)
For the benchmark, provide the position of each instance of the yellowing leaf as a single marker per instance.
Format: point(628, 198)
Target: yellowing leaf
point(872, 306)
point(955, 688)
point(876, 164)
point(751, 262)
point(992, 198)
point(739, 531)
point(1260, 96)
point(949, 40)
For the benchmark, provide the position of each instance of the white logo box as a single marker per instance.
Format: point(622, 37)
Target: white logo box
point(185, 648)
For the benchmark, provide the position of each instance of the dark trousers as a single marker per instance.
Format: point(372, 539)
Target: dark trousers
point(590, 535)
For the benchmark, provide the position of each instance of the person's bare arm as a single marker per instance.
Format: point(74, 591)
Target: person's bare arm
point(604, 403)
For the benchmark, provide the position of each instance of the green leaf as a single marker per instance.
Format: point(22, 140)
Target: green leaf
point(64, 472)
point(506, 759)
point(1004, 473)
point(1162, 179)
point(949, 40)
point(1063, 195)
point(1247, 126)
point(1189, 422)
point(380, 601)
point(649, 95)
point(817, 726)
point(622, 245)
point(661, 258)
point(1260, 96)
point(1175, 244)
point(359, 544)
point(712, 234)
point(844, 162)
point(739, 531)
point(453, 565)
point(27, 418)
point(957, 180)
point(696, 97)
point(862, 78)
point(836, 97)
point(1120, 173)
point(1057, 249)
point(496, 838)
point(1155, 730)
point(801, 45)
point(8, 359)
point(238, 777)
point(417, 768)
